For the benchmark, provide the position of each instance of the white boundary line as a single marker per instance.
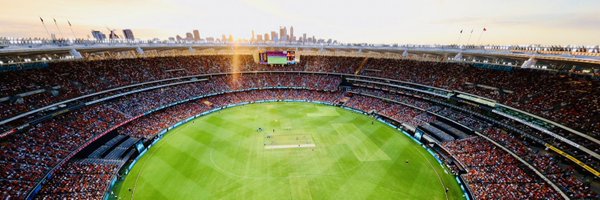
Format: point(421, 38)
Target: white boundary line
point(436, 173)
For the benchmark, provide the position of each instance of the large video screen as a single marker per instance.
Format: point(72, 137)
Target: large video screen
point(277, 57)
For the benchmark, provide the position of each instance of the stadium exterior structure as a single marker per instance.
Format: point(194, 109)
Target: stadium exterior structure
point(443, 54)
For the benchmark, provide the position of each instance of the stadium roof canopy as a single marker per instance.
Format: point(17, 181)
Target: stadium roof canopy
point(494, 55)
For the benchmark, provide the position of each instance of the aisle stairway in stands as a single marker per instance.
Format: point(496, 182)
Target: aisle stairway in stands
point(108, 145)
point(361, 66)
point(118, 151)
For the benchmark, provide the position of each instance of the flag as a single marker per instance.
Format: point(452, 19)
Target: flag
point(484, 29)
point(69, 22)
point(54, 20)
point(461, 31)
point(41, 19)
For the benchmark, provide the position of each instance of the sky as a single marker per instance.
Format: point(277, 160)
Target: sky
point(508, 22)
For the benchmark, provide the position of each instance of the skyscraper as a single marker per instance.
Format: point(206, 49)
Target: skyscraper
point(128, 34)
point(196, 35)
point(252, 38)
point(292, 34)
point(274, 36)
point(189, 36)
point(304, 37)
point(282, 33)
point(267, 37)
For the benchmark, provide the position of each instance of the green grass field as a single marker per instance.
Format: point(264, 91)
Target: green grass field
point(343, 156)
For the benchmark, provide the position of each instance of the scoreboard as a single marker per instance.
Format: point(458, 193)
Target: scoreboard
point(277, 57)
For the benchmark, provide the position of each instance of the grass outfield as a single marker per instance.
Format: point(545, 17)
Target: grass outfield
point(222, 156)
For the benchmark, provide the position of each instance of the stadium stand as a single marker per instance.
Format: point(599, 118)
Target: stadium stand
point(141, 97)
point(494, 174)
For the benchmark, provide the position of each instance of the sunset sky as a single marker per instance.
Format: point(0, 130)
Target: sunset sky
point(375, 21)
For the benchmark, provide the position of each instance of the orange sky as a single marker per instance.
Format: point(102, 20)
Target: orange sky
point(376, 21)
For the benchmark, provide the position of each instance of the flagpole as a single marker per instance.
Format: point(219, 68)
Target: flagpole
point(459, 37)
point(46, 28)
point(59, 31)
point(72, 32)
point(471, 34)
point(481, 34)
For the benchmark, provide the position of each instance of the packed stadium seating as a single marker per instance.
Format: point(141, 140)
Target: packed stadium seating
point(494, 174)
point(546, 163)
point(27, 156)
point(570, 100)
point(80, 180)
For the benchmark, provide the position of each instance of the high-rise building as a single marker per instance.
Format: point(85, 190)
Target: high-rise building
point(304, 37)
point(128, 34)
point(223, 38)
point(231, 38)
point(98, 35)
point(282, 33)
point(274, 36)
point(196, 35)
point(189, 36)
point(267, 37)
point(292, 34)
point(259, 37)
point(179, 38)
point(252, 38)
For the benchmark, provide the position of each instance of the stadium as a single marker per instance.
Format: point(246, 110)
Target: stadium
point(293, 118)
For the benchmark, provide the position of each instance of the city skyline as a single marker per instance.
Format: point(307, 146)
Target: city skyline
point(405, 22)
point(273, 36)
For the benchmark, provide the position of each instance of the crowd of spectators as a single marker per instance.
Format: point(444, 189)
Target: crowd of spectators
point(473, 112)
point(28, 156)
point(32, 89)
point(570, 100)
point(397, 112)
point(563, 98)
point(547, 164)
point(495, 174)
point(79, 180)
point(347, 65)
point(414, 116)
